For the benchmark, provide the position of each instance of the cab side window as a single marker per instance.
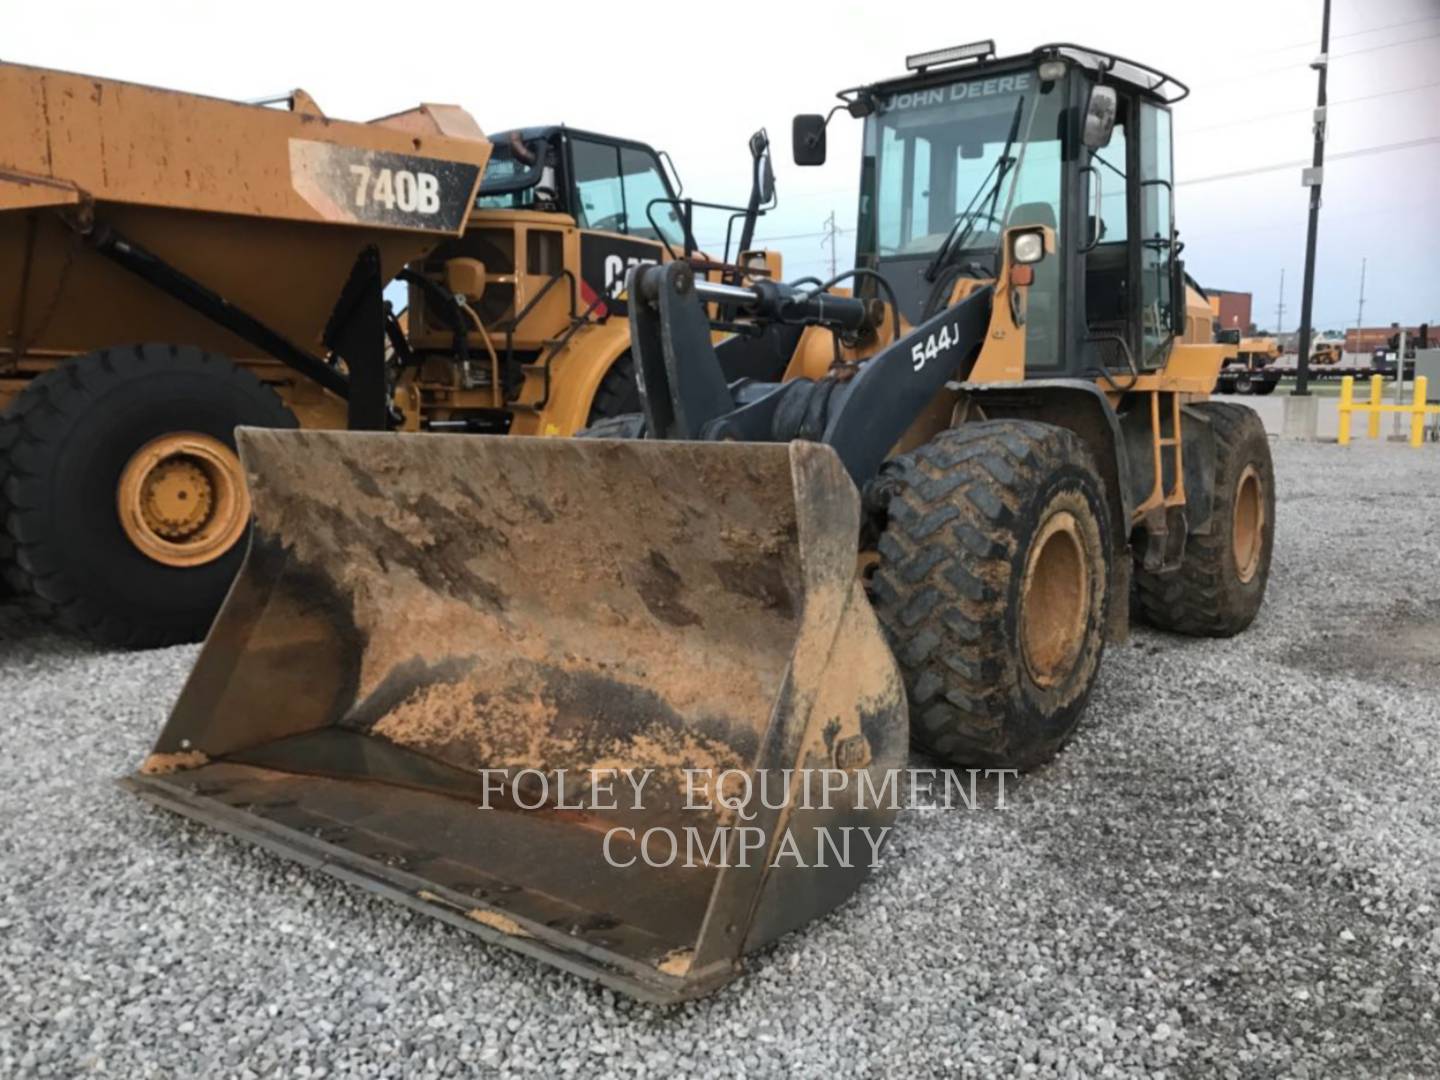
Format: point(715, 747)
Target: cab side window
point(599, 197)
point(642, 184)
point(1112, 176)
point(615, 187)
point(1157, 235)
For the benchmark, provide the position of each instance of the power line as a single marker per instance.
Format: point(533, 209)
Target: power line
point(1253, 74)
point(1281, 166)
point(1310, 43)
point(774, 239)
point(1296, 112)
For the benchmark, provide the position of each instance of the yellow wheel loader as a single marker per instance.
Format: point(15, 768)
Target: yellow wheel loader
point(172, 266)
point(440, 654)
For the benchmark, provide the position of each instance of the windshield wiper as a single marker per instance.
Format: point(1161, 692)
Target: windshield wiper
point(965, 222)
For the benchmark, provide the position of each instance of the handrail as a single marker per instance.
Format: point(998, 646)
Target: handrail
point(513, 324)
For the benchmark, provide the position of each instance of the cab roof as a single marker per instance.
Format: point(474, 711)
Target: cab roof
point(1110, 67)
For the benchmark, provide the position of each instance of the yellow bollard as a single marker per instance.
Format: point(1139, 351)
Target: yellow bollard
point(1417, 411)
point(1347, 392)
point(1377, 395)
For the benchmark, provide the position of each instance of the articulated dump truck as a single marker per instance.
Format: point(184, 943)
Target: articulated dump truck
point(923, 532)
point(173, 266)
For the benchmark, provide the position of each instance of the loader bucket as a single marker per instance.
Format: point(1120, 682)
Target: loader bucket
point(449, 661)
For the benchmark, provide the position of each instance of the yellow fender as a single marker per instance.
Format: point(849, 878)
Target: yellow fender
point(575, 376)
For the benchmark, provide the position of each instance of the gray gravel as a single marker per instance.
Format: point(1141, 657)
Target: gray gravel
point(1234, 871)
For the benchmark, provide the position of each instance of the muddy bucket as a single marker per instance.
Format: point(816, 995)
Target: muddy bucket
point(622, 706)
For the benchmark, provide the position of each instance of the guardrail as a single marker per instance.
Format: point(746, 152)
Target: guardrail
point(1418, 409)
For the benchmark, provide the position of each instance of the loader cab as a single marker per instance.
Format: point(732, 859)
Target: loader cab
point(618, 191)
point(960, 151)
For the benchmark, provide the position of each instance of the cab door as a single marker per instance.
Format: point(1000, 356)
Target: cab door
point(615, 188)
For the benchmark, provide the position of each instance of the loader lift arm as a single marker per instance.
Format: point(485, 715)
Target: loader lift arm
point(685, 394)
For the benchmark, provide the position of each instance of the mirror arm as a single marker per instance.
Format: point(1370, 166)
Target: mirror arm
point(664, 155)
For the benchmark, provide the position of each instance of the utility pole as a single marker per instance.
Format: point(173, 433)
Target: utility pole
point(1312, 177)
point(830, 235)
point(1360, 315)
point(1280, 307)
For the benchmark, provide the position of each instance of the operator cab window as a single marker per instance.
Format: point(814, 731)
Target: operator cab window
point(615, 188)
point(1109, 191)
point(643, 184)
point(509, 183)
point(600, 201)
point(947, 168)
point(1157, 235)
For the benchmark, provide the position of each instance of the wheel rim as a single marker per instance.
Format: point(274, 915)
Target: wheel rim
point(1054, 601)
point(182, 499)
point(1248, 527)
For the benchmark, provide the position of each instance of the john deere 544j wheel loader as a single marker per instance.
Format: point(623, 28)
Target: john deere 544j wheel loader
point(926, 531)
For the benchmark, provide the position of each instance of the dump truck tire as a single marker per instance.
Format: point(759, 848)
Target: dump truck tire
point(1220, 584)
point(618, 392)
point(148, 428)
point(991, 585)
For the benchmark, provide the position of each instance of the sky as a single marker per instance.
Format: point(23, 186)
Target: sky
point(697, 82)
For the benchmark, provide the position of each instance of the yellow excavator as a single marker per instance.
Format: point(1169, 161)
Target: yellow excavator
point(440, 654)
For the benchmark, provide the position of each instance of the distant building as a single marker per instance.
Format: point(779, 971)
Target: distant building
point(1367, 339)
point(1231, 309)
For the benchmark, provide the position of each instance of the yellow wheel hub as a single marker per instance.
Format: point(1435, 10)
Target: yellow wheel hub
point(182, 499)
point(1054, 600)
point(1248, 527)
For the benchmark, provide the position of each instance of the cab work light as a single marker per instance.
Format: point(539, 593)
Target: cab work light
point(975, 50)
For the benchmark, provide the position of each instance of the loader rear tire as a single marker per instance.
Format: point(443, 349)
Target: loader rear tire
point(1218, 589)
point(150, 428)
point(992, 587)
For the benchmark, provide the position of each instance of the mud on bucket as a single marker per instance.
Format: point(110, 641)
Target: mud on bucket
point(417, 612)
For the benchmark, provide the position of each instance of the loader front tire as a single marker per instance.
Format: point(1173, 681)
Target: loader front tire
point(992, 586)
point(126, 512)
point(1218, 589)
point(618, 392)
point(624, 426)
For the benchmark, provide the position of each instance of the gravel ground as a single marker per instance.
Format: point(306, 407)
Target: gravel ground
point(1233, 871)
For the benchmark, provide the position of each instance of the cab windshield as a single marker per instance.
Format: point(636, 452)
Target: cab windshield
point(943, 156)
point(509, 184)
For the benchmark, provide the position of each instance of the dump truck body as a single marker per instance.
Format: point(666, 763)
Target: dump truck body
point(263, 205)
point(172, 266)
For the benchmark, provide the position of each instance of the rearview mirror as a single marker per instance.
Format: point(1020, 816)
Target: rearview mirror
point(764, 172)
point(1100, 117)
point(807, 137)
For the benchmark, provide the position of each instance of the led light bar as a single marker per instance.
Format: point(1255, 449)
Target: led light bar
point(976, 50)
